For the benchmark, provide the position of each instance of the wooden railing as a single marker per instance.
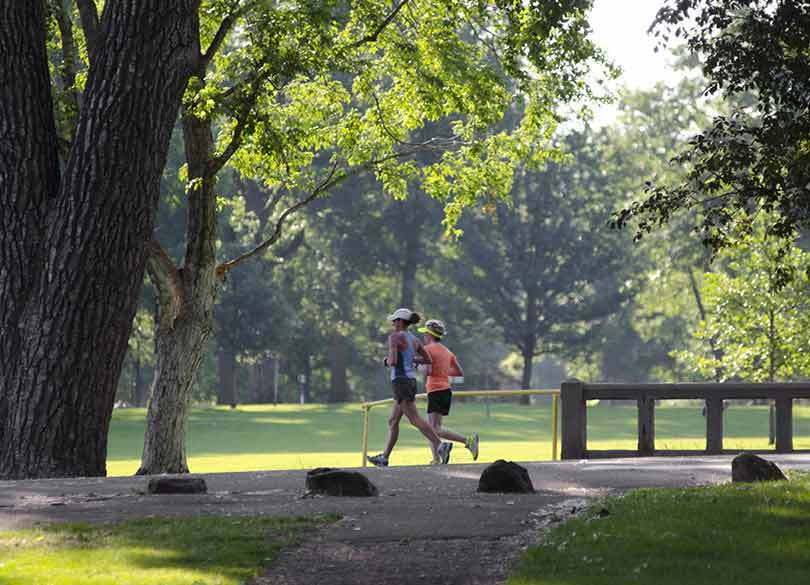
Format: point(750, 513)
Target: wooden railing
point(575, 393)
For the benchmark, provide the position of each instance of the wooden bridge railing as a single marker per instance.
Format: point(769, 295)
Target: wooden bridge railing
point(575, 393)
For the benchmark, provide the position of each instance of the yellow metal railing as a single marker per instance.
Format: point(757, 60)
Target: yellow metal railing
point(555, 397)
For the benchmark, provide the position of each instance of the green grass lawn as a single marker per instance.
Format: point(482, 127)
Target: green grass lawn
point(723, 535)
point(192, 551)
point(289, 436)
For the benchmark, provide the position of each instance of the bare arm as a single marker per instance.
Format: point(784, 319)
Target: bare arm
point(455, 367)
point(423, 355)
point(393, 343)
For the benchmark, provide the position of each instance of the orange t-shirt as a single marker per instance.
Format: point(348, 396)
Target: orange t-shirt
point(443, 363)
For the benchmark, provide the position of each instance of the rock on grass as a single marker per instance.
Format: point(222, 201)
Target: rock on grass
point(505, 477)
point(747, 467)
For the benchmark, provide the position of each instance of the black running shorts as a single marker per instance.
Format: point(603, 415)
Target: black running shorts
point(439, 401)
point(404, 389)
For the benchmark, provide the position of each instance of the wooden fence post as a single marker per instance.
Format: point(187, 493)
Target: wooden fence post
point(784, 425)
point(646, 425)
point(574, 439)
point(714, 426)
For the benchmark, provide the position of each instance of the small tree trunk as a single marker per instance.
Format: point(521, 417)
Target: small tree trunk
point(186, 311)
point(180, 351)
point(339, 383)
point(415, 215)
point(307, 377)
point(139, 387)
point(226, 368)
point(529, 342)
point(717, 353)
point(526, 377)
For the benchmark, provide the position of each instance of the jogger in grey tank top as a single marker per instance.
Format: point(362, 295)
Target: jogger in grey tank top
point(403, 348)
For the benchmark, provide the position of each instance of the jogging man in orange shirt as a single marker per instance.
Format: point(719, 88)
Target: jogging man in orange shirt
point(443, 365)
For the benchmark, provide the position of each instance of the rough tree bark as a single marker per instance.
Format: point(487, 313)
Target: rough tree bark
point(72, 312)
point(186, 297)
point(29, 174)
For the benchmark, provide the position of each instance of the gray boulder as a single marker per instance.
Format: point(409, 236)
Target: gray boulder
point(336, 482)
point(505, 477)
point(747, 467)
point(177, 485)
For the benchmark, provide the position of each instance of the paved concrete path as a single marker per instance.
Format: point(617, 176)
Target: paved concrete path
point(429, 525)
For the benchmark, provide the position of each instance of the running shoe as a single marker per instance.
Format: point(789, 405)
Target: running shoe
point(435, 462)
point(443, 452)
point(472, 445)
point(378, 460)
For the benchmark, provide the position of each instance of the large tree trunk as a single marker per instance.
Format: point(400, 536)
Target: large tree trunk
point(226, 368)
point(186, 319)
point(74, 323)
point(29, 176)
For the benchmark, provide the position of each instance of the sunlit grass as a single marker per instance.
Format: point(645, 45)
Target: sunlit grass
point(720, 535)
point(291, 436)
point(192, 551)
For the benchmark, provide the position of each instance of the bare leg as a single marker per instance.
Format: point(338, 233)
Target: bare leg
point(409, 410)
point(393, 429)
point(436, 422)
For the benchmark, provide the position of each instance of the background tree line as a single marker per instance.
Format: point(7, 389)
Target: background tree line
point(285, 173)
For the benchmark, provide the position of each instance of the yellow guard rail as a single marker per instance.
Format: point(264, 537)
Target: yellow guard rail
point(555, 397)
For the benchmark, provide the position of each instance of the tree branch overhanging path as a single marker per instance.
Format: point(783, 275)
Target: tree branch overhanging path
point(186, 295)
point(267, 95)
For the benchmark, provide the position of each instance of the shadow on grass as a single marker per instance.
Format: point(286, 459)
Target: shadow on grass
point(159, 551)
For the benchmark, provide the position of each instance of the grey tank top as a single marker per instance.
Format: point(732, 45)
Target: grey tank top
point(405, 367)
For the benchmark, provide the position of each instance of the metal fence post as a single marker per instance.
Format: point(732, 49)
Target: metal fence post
point(574, 437)
point(554, 430)
point(365, 433)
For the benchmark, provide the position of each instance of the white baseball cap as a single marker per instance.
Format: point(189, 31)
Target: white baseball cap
point(404, 314)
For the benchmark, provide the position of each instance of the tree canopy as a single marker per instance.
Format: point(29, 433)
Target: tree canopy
point(754, 158)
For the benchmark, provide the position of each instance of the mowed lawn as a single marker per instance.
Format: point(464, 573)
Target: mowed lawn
point(731, 534)
point(291, 436)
